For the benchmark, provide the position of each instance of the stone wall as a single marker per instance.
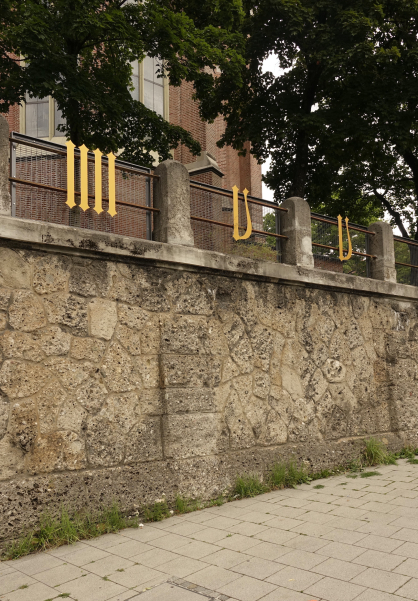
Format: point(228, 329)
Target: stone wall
point(123, 379)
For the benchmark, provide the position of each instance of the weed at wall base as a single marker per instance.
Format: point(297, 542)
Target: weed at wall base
point(67, 529)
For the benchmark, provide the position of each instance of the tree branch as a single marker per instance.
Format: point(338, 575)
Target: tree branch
point(396, 216)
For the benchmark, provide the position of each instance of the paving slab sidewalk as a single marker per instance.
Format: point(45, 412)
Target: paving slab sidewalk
point(339, 539)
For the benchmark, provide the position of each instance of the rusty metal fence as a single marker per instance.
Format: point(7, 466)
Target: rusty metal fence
point(406, 261)
point(325, 242)
point(211, 211)
point(38, 179)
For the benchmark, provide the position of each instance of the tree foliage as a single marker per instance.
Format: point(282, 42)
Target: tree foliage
point(80, 53)
point(340, 119)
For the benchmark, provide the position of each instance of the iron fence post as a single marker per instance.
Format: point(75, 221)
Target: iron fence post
point(278, 241)
point(13, 146)
point(148, 204)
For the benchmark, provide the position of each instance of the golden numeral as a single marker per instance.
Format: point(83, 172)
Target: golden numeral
point(247, 234)
point(340, 237)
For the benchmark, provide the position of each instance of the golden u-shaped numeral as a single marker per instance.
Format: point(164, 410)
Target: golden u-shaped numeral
point(340, 237)
point(70, 174)
point(247, 234)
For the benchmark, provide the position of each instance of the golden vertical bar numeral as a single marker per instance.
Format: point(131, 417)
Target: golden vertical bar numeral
point(70, 174)
point(84, 176)
point(98, 181)
point(340, 238)
point(112, 185)
point(247, 234)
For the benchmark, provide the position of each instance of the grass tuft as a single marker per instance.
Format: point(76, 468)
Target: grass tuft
point(157, 512)
point(369, 474)
point(288, 475)
point(67, 529)
point(249, 486)
point(375, 453)
point(184, 505)
point(319, 486)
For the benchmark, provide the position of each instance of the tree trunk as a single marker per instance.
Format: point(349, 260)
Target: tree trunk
point(300, 175)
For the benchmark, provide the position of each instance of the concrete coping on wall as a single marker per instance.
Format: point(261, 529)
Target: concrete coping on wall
point(71, 240)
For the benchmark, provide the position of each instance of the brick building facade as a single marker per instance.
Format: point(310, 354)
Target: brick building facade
point(180, 108)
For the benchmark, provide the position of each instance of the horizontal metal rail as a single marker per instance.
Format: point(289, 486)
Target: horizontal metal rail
point(405, 240)
point(344, 250)
point(231, 226)
point(350, 227)
point(406, 265)
point(251, 199)
point(54, 148)
point(64, 190)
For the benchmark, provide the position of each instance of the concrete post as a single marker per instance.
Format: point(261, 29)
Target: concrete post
point(172, 197)
point(382, 246)
point(296, 225)
point(5, 200)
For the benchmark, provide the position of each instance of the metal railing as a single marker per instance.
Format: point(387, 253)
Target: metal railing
point(38, 186)
point(406, 261)
point(211, 211)
point(325, 240)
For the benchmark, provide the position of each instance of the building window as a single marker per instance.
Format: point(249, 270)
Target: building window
point(153, 86)
point(41, 118)
point(37, 117)
point(148, 88)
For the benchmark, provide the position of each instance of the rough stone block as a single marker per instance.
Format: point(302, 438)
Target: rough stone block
point(14, 269)
point(57, 451)
point(186, 400)
point(118, 370)
point(19, 380)
point(67, 310)
point(87, 348)
point(144, 441)
point(185, 336)
point(26, 312)
point(196, 372)
point(51, 273)
point(102, 318)
point(190, 435)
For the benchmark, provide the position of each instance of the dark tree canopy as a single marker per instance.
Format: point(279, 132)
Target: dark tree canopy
point(80, 53)
point(340, 119)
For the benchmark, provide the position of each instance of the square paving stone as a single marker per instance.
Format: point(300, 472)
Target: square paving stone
point(301, 559)
point(344, 536)
point(341, 551)
point(36, 563)
point(85, 556)
point(294, 578)
point(237, 542)
point(373, 595)
point(257, 568)
point(388, 582)
point(143, 535)
point(197, 549)
point(247, 589)
point(90, 587)
point(182, 567)
point(35, 592)
point(170, 542)
point(11, 582)
point(221, 522)
point(134, 576)
point(379, 560)
point(274, 535)
point(186, 528)
point(335, 568)
point(167, 592)
point(408, 568)
point(379, 543)
point(248, 528)
point(407, 550)
point(60, 574)
point(153, 558)
point(334, 590)
point(226, 558)
point(213, 577)
point(268, 551)
point(409, 590)
point(286, 594)
point(306, 543)
point(210, 535)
